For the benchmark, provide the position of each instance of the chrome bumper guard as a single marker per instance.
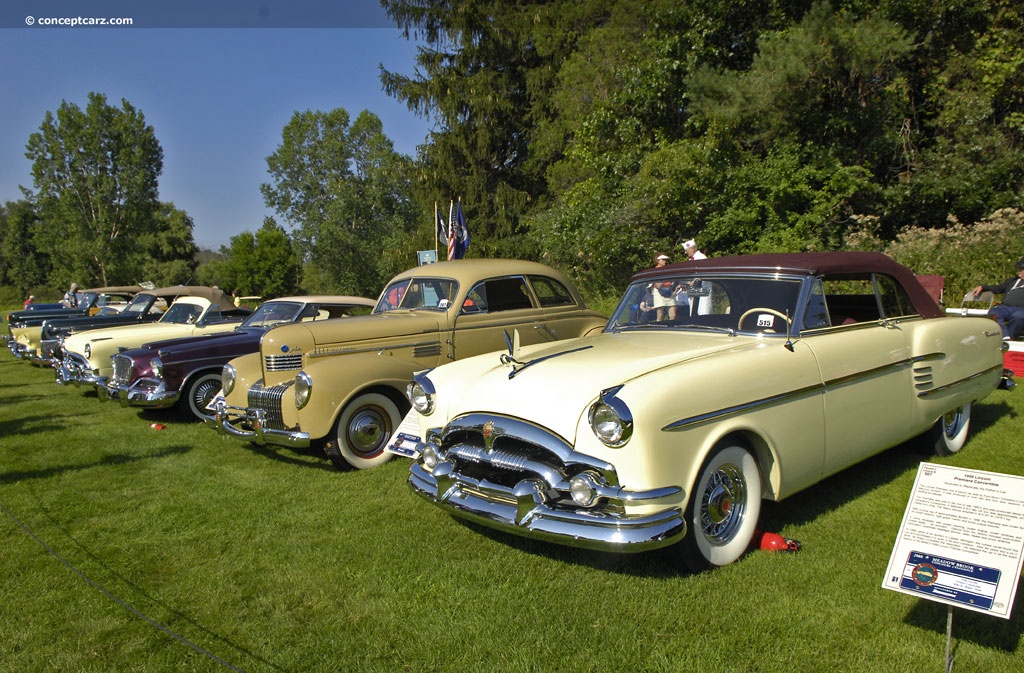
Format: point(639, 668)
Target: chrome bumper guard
point(250, 425)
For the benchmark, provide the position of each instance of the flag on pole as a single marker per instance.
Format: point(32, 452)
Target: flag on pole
point(451, 230)
point(442, 230)
point(458, 238)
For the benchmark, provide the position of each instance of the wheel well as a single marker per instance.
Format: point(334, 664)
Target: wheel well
point(387, 391)
point(767, 465)
point(199, 372)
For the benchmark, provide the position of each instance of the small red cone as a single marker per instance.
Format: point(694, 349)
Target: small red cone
point(158, 426)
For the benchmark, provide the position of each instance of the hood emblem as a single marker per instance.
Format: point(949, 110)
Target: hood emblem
point(490, 434)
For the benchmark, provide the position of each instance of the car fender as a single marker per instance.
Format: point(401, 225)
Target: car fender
point(339, 379)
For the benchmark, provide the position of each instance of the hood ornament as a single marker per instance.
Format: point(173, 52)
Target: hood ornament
point(512, 344)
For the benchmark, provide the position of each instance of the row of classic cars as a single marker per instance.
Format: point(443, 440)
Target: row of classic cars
point(25, 326)
point(527, 412)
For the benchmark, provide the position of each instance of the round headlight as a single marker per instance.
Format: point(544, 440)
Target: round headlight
point(303, 389)
point(227, 379)
point(583, 489)
point(611, 420)
point(157, 366)
point(88, 350)
point(421, 395)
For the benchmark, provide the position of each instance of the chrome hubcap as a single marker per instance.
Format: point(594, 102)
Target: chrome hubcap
point(722, 504)
point(951, 422)
point(368, 431)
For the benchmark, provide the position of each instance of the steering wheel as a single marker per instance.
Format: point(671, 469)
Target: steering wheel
point(780, 314)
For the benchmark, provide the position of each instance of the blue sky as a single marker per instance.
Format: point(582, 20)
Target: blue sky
point(217, 96)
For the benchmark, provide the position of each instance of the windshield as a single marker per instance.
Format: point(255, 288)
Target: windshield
point(139, 303)
point(417, 293)
point(729, 303)
point(182, 313)
point(273, 313)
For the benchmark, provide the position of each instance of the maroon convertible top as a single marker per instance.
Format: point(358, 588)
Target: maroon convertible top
point(813, 264)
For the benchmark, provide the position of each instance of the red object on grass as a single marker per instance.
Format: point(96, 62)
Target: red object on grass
point(775, 542)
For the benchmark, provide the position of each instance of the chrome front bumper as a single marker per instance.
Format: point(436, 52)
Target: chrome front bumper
point(520, 483)
point(76, 371)
point(250, 425)
point(528, 514)
point(145, 393)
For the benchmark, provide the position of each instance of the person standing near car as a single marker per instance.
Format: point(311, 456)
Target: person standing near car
point(690, 247)
point(1010, 313)
point(29, 300)
point(71, 296)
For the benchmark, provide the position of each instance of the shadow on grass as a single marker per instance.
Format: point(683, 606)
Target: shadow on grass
point(969, 626)
point(113, 459)
point(660, 563)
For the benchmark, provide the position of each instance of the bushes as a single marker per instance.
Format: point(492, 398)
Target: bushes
point(966, 255)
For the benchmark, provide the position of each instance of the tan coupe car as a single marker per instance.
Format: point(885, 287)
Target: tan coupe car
point(344, 381)
point(768, 374)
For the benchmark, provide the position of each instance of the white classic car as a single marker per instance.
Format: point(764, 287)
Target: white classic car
point(764, 375)
point(87, 356)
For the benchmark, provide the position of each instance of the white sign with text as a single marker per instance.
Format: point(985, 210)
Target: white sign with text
point(962, 539)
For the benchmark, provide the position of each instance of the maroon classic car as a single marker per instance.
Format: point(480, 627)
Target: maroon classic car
point(185, 372)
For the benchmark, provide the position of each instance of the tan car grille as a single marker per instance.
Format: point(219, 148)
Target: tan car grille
point(282, 363)
point(269, 400)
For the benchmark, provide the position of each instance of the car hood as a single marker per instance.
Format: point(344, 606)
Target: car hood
point(558, 382)
point(353, 330)
point(205, 344)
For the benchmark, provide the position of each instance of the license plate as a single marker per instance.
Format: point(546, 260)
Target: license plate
point(407, 437)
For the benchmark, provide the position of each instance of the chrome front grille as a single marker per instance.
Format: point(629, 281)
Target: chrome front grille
point(504, 451)
point(122, 370)
point(282, 363)
point(269, 401)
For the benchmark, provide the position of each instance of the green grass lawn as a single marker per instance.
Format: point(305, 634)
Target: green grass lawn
point(127, 548)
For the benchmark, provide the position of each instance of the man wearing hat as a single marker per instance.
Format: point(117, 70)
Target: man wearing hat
point(691, 250)
point(70, 297)
point(1009, 314)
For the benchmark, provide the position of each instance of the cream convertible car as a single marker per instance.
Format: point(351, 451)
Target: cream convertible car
point(344, 380)
point(766, 374)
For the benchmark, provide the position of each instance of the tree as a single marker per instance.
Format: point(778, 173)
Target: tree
point(347, 193)
point(166, 251)
point(264, 264)
point(22, 266)
point(95, 174)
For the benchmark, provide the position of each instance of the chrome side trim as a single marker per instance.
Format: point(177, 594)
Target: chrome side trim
point(817, 389)
point(327, 351)
point(682, 424)
point(966, 379)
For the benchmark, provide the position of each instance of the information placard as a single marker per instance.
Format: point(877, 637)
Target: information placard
point(962, 539)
